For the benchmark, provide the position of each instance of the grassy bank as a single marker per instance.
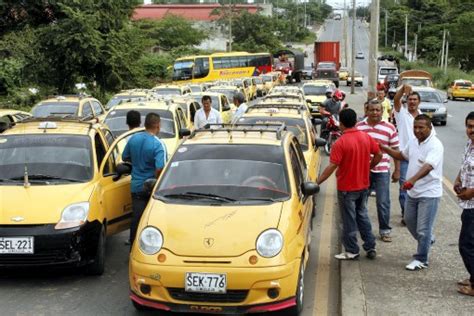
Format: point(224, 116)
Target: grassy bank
point(440, 79)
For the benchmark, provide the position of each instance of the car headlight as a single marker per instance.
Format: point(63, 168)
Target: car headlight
point(151, 240)
point(73, 215)
point(442, 110)
point(269, 243)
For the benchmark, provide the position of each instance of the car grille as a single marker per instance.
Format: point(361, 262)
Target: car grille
point(34, 259)
point(232, 296)
point(428, 110)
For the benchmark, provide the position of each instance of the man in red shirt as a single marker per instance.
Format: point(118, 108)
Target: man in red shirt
point(353, 155)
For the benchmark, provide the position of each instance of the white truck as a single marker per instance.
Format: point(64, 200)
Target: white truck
point(387, 65)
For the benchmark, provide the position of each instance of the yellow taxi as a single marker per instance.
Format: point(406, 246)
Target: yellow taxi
point(228, 226)
point(461, 89)
point(270, 80)
point(286, 98)
point(171, 90)
point(343, 73)
point(61, 194)
point(219, 102)
point(174, 124)
point(80, 105)
point(129, 95)
point(190, 106)
point(298, 121)
point(261, 87)
point(8, 118)
point(315, 93)
point(249, 90)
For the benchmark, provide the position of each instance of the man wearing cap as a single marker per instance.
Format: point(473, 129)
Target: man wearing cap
point(239, 102)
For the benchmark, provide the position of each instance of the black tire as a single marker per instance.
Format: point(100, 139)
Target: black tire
point(296, 310)
point(443, 123)
point(97, 267)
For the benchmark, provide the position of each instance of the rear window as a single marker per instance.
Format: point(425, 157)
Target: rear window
point(45, 109)
point(116, 120)
point(465, 84)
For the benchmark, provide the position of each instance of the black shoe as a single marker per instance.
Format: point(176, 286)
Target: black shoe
point(371, 254)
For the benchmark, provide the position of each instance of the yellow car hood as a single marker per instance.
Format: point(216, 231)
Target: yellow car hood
point(316, 98)
point(212, 231)
point(39, 204)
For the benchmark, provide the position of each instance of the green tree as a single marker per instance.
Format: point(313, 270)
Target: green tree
point(461, 36)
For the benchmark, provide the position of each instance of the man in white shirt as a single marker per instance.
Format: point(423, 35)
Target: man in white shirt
point(424, 185)
point(239, 102)
point(207, 114)
point(404, 116)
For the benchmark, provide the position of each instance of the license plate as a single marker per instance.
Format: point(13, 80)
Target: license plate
point(16, 245)
point(205, 282)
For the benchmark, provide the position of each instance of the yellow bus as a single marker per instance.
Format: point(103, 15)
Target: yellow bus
point(221, 66)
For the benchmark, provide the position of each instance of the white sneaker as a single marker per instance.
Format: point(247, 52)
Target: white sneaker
point(416, 265)
point(347, 256)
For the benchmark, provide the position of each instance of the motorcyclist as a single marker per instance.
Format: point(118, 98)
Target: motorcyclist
point(328, 93)
point(331, 107)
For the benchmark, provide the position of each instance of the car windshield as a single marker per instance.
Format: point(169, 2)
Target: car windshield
point(214, 100)
point(167, 91)
point(465, 84)
point(258, 80)
point(429, 96)
point(183, 70)
point(421, 82)
point(388, 71)
point(195, 88)
point(45, 109)
point(250, 174)
point(124, 98)
point(296, 126)
point(116, 121)
point(47, 158)
point(314, 90)
point(228, 93)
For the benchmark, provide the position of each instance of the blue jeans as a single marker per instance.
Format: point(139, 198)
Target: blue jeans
point(353, 207)
point(402, 195)
point(380, 181)
point(420, 214)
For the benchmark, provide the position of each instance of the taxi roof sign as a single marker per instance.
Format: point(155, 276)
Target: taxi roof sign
point(47, 125)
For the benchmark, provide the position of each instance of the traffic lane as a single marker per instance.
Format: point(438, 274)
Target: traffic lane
point(453, 136)
point(361, 45)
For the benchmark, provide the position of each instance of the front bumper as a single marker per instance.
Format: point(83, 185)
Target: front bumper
point(247, 288)
point(75, 246)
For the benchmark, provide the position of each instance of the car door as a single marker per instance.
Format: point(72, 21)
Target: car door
point(115, 196)
point(300, 205)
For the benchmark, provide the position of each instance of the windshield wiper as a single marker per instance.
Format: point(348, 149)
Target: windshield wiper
point(45, 177)
point(198, 195)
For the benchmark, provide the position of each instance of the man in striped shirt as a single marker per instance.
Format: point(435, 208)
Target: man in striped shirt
point(384, 133)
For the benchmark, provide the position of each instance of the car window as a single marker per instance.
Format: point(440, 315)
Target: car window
point(108, 136)
point(99, 150)
point(97, 108)
point(86, 109)
point(296, 168)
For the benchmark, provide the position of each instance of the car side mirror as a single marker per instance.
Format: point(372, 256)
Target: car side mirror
point(122, 169)
point(308, 100)
point(316, 121)
point(148, 185)
point(445, 101)
point(309, 188)
point(320, 142)
point(184, 132)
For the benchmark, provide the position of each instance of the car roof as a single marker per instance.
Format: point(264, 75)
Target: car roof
point(209, 93)
point(67, 98)
point(236, 134)
point(54, 126)
point(150, 104)
point(276, 111)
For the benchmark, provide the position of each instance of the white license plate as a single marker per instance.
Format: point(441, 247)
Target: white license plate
point(15, 245)
point(205, 282)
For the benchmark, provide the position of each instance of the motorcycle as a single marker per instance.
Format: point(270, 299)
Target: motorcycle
point(331, 133)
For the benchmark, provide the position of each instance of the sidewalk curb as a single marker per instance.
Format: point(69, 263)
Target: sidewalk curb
point(352, 290)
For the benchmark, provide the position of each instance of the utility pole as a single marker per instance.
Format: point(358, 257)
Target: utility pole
point(304, 13)
point(416, 42)
point(374, 43)
point(447, 50)
point(442, 49)
point(344, 35)
point(386, 27)
point(406, 36)
point(353, 45)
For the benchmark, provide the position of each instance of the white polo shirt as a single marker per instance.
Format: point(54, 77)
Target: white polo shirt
point(405, 126)
point(430, 151)
point(239, 112)
point(200, 119)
